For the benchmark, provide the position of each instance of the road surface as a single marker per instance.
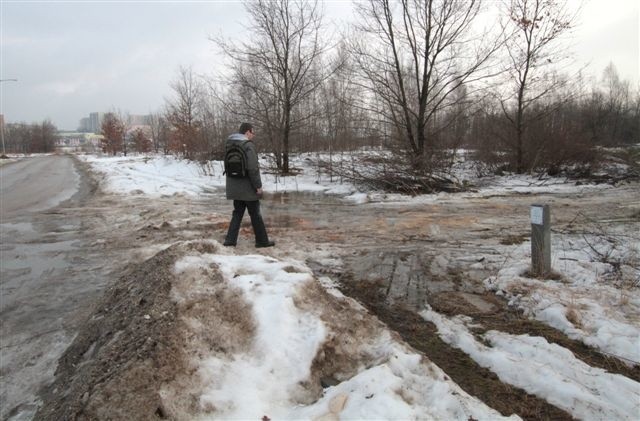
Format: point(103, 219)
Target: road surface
point(42, 292)
point(36, 184)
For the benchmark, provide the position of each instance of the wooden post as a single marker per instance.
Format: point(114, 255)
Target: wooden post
point(540, 240)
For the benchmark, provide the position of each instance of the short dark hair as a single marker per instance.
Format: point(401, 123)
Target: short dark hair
point(245, 127)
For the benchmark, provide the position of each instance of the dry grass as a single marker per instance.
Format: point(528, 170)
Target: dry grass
point(511, 240)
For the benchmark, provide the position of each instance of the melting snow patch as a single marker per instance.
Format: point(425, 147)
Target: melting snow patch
point(545, 370)
point(273, 376)
point(584, 306)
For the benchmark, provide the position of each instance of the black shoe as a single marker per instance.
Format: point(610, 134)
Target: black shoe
point(228, 244)
point(267, 244)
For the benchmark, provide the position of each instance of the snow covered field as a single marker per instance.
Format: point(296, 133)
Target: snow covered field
point(594, 298)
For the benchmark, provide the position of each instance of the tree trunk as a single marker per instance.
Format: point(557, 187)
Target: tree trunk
point(285, 137)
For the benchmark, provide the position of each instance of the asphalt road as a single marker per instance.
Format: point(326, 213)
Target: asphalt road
point(35, 184)
point(41, 266)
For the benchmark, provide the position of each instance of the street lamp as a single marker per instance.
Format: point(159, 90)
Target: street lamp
point(2, 129)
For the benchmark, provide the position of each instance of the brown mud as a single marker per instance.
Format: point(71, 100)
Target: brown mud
point(474, 379)
point(508, 320)
point(124, 353)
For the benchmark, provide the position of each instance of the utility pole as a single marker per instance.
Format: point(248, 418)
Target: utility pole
point(2, 128)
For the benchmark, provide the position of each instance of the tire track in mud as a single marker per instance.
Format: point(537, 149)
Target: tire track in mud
point(423, 336)
point(507, 320)
point(396, 284)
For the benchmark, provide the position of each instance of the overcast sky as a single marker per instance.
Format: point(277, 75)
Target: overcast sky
point(76, 57)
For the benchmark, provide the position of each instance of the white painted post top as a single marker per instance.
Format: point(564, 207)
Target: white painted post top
point(537, 215)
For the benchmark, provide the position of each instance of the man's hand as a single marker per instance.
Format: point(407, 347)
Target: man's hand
point(259, 192)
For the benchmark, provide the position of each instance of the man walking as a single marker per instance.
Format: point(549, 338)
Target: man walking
point(245, 189)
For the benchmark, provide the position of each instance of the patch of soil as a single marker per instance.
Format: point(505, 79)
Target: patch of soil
point(423, 336)
point(344, 351)
point(134, 343)
point(513, 322)
point(125, 342)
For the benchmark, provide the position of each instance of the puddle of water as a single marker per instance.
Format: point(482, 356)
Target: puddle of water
point(303, 211)
point(292, 198)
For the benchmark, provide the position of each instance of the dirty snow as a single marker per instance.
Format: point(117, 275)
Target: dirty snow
point(546, 370)
point(587, 303)
point(396, 383)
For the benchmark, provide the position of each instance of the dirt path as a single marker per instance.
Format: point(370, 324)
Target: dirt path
point(391, 258)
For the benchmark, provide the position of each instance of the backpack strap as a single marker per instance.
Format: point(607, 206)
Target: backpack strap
point(242, 144)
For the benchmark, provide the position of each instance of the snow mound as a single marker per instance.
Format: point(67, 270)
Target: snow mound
point(307, 353)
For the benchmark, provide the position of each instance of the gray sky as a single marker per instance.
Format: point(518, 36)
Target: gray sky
point(75, 57)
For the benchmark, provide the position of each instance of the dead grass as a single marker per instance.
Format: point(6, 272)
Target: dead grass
point(573, 316)
point(552, 275)
point(511, 240)
point(510, 321)
point(343, 353)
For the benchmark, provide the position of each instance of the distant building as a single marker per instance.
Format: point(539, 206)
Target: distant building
point(78, 142)
point(93, 123)
point(85, 125)
point(139, 120)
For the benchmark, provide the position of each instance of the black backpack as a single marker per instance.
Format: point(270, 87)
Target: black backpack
point(235, 161)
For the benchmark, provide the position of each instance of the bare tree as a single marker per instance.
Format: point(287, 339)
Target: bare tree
point(125, 121)
point(217, 122)
point(31, 138)
point(43, 137)
point(343, 123)
point(413, 55)
point(533, 46)
point(617, 103)
point(113, 131)
point(141, 141)
point(184, 113)
point(272, 74)
point(160, 132)
point(17, 137)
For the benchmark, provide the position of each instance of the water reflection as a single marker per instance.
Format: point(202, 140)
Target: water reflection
point(304, 210)
point(317, 198)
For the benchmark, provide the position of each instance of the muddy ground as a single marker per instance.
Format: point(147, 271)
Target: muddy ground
point(391, 258)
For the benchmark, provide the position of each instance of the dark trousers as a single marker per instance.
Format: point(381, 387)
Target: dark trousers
point(256, 221)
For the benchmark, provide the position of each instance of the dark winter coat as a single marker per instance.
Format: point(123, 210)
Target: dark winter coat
point(244, 188)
